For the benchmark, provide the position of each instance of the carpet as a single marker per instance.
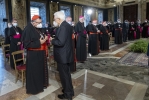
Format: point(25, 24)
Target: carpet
point(134, 59)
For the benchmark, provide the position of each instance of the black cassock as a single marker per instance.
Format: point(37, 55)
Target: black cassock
point(15, 37)
point(81, 52)
point(73, 64)
point(138, 30)
point(98, 27)
point(7, 38)
point(118, 33)
point(36, 60)
point(93, 43)
point(104, 38)
point(132, 32)
point(145, 30)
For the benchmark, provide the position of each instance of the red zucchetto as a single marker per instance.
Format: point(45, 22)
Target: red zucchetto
point(35, 17)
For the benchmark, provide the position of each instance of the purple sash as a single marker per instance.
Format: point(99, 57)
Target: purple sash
point(48, 42)
point(148, 31)
point(84, 32)
point(17, 36)
point(21, 46)
point(139, 27)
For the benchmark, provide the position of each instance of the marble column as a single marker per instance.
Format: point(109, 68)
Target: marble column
point(94, 14)
point(111, 15)
point(19, 12)
point(143, 11)
point(53, 9)
point(139, 9)
point(121, 11)
point(117, 11)
point(77, 12)
point(2, 16)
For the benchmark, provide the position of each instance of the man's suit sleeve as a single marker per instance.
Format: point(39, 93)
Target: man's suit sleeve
point(61, 38)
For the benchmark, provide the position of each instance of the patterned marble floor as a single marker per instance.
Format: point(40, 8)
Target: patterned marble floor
point(88, 85)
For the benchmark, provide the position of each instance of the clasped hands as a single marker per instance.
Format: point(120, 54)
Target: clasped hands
point(18, 43)
point(45, 39)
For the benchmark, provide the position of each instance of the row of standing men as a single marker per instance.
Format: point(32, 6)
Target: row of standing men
point(97, 34)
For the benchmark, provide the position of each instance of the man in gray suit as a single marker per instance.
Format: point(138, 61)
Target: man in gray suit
point(63, 54)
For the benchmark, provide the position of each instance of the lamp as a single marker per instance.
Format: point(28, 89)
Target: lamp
point(89, 11)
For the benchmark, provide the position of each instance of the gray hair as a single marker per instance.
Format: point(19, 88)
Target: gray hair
point(60, 15)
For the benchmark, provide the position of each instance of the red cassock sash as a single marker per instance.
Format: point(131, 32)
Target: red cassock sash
point(43, 47)
point(93, 33)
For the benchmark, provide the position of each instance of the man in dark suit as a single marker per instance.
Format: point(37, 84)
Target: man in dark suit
point(63, 54)
point(125, 30)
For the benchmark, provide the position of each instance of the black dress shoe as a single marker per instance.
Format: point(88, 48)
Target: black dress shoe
point(63, 90)
point(62, 96)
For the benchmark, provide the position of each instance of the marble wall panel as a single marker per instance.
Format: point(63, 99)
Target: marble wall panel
point(2, 15)
point(77, 12)
point(53, 9)
point(19, 12)
point(111, 15)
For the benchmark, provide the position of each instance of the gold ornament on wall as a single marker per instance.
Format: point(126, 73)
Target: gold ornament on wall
point(19, 12)
point(53, 9)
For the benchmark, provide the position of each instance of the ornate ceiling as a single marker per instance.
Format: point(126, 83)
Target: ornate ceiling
point(99, 3)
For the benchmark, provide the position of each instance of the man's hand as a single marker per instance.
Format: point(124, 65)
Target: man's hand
point(87, 36)
point(98, 31)
point(18, 43)
point(42, 41)
point(46, 38)
point(51, 38)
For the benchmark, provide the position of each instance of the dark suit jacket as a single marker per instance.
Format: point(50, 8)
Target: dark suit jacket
point(125, 27)
point(63, 49)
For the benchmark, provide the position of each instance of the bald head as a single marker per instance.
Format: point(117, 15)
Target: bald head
point(69, 20)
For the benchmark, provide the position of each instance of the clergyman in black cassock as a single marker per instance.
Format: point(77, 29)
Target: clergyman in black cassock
point(63, 54)
point(81, 52)
point(118, 32)
point(132, 31)
point(104, 37)
point(138, 29)
point(7, 31)
point(73, 64)
point(145, 29)
point(7, 36)
point(36, 60)
point(93, 43)
point(15, 42)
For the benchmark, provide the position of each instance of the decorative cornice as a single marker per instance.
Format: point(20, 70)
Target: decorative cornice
point(93, 3)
